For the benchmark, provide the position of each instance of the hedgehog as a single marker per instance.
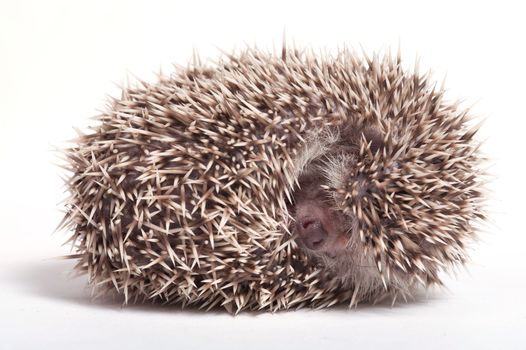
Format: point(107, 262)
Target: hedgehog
point(270, 181)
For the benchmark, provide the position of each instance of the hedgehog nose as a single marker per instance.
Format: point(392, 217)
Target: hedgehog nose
point(312, 233)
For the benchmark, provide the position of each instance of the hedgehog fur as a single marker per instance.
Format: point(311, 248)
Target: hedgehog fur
point(182, 192)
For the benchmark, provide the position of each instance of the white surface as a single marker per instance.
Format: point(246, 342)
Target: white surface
point(59, 59)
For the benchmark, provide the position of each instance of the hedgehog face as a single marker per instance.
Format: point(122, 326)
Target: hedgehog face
point(321, 225)
point(324, 225)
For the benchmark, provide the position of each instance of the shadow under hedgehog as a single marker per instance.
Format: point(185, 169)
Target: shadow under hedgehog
point(273, 181)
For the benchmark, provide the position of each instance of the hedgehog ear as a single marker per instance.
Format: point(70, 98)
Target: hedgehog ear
point(374, 138)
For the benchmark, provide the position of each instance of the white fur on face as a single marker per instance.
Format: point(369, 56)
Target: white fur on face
point(317, 144)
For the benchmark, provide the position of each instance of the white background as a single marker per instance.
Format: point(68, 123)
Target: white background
point(58, 60)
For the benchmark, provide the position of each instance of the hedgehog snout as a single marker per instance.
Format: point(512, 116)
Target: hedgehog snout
point(312, 232)
point(318, 227)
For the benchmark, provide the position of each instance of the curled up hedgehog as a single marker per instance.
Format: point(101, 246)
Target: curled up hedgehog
point(275, 181)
